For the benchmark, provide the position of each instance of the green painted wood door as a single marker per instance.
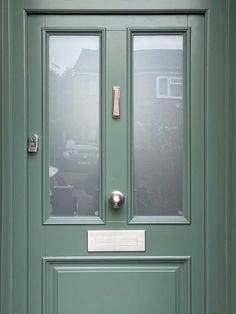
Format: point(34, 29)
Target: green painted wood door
point(153, 154)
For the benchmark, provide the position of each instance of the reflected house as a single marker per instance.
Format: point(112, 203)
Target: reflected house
point(158, 127)
point(84, 127)
point(157, 82)
point(158, 90)
point(158, 131)
point(75, 115)
point(74, 135)
point(158, 75)
point(86, 97)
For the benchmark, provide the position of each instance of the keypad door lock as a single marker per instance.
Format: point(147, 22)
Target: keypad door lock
point(33, 143)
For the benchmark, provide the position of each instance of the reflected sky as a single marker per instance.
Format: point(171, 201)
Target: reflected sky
point(158, 42)
point(65, 50)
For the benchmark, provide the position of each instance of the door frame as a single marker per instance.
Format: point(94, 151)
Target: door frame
point(231, 98)
point(218, 128)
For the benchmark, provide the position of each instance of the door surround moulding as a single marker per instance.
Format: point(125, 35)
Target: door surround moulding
point(8, 10)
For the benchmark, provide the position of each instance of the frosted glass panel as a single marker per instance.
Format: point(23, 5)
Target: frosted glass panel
point(74, 88)
point(158, 125)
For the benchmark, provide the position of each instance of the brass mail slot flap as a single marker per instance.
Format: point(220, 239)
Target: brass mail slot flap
point(116, 241)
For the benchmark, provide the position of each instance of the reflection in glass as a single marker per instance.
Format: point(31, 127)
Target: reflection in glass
point(74, 89)
point(158, 125)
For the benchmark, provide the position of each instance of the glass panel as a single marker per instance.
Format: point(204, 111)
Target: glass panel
point(158, 125)
point(74, 88)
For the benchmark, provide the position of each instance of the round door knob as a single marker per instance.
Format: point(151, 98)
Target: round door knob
point(116, 199)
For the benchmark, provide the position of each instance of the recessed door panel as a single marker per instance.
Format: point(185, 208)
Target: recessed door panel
point(76, 284)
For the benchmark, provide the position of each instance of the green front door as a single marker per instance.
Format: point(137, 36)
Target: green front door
point(118, 105)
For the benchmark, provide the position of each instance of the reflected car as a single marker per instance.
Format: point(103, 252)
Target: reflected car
point(79, 156)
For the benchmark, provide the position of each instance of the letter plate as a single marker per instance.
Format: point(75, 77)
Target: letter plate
point(116, 241)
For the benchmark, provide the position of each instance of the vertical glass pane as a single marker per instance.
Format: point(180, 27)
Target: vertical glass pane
point(74, 88)
point(158, 125)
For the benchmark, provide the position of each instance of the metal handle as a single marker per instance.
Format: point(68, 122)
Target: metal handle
point(116, 102)
point(116, 199)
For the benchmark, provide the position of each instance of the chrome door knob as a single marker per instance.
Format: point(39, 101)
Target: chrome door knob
point(116, 199)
